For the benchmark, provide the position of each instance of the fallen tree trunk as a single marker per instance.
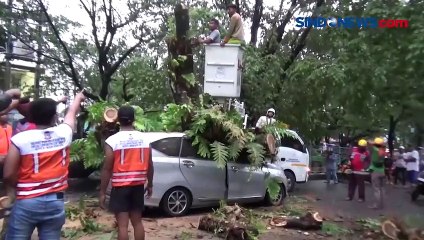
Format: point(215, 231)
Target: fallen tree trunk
point(310, 221)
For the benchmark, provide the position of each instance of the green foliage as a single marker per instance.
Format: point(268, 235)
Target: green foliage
point(90, 149)
point(273, 187)
point(87, 149)
point(173, 116)
point(219, 153)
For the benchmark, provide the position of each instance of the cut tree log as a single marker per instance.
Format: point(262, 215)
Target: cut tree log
point(397, 230)
point(310, 221)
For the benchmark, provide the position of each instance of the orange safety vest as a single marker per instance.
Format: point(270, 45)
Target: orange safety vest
point(44, 161)
point(131, 158)
point(5, 135)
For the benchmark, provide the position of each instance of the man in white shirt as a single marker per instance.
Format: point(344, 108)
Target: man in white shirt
point(400, 166)
point(412, 164)
point(266, 120)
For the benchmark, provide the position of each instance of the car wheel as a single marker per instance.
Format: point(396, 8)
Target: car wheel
point(176, 202)
point(277, 201)
point(291, 180)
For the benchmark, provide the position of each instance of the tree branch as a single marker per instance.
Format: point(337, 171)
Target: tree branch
point(271, 49)
point(256, 20)
point(75, 78)
point(302, 39)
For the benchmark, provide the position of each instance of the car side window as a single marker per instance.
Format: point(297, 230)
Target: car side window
point(190, 151)
point(293, 143)
point(168, 146)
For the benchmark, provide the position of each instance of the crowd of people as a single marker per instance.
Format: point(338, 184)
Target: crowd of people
point(370, 161)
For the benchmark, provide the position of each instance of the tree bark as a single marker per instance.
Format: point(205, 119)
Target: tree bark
point(180, 46)
point(256, 20)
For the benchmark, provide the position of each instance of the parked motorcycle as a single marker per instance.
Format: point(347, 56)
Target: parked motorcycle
point(419, 189)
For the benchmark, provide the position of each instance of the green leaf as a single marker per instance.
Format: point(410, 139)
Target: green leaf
point(256, 153)
point(219, 153)
point(190, 78)
point(182, 58)
point(174, 63)
point(203, 146)
point(273, 187)
point(234, 150)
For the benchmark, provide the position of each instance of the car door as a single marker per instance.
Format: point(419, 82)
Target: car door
point(203, 175)
point(245, 183)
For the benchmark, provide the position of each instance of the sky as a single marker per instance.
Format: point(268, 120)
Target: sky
point(71, 10)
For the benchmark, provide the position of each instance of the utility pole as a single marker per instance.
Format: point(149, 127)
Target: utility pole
point(9, 48)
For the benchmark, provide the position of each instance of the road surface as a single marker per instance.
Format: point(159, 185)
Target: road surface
point(330, 198)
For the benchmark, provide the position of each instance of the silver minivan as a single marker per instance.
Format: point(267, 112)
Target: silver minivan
point(184, 180)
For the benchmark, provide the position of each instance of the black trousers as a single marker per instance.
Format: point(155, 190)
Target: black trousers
point(400, 174)
point(356, 181)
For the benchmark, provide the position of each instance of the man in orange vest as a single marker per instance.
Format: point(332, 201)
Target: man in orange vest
point(128, 161)
point(36, 172)
point(5, 135)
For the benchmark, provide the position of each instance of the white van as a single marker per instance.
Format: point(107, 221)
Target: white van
point(293, 157)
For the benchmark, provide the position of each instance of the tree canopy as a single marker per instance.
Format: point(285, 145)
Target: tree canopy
point(356, 82)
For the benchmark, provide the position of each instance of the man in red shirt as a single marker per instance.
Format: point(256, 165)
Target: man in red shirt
point(359, 162)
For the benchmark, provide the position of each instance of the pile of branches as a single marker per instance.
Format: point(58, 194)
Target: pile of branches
point(231, 223)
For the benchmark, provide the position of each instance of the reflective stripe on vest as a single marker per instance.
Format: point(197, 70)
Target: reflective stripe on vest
point(36, 188)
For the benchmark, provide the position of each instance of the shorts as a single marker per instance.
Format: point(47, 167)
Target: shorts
point(127, 199)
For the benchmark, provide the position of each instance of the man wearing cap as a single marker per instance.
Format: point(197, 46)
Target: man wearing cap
point(128, 162)
point(378, 152)
point(359, 162)
point(235, 33)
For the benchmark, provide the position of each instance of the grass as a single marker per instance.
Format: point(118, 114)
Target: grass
point(334, 229)
point(186, 236)
point(370, 223)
